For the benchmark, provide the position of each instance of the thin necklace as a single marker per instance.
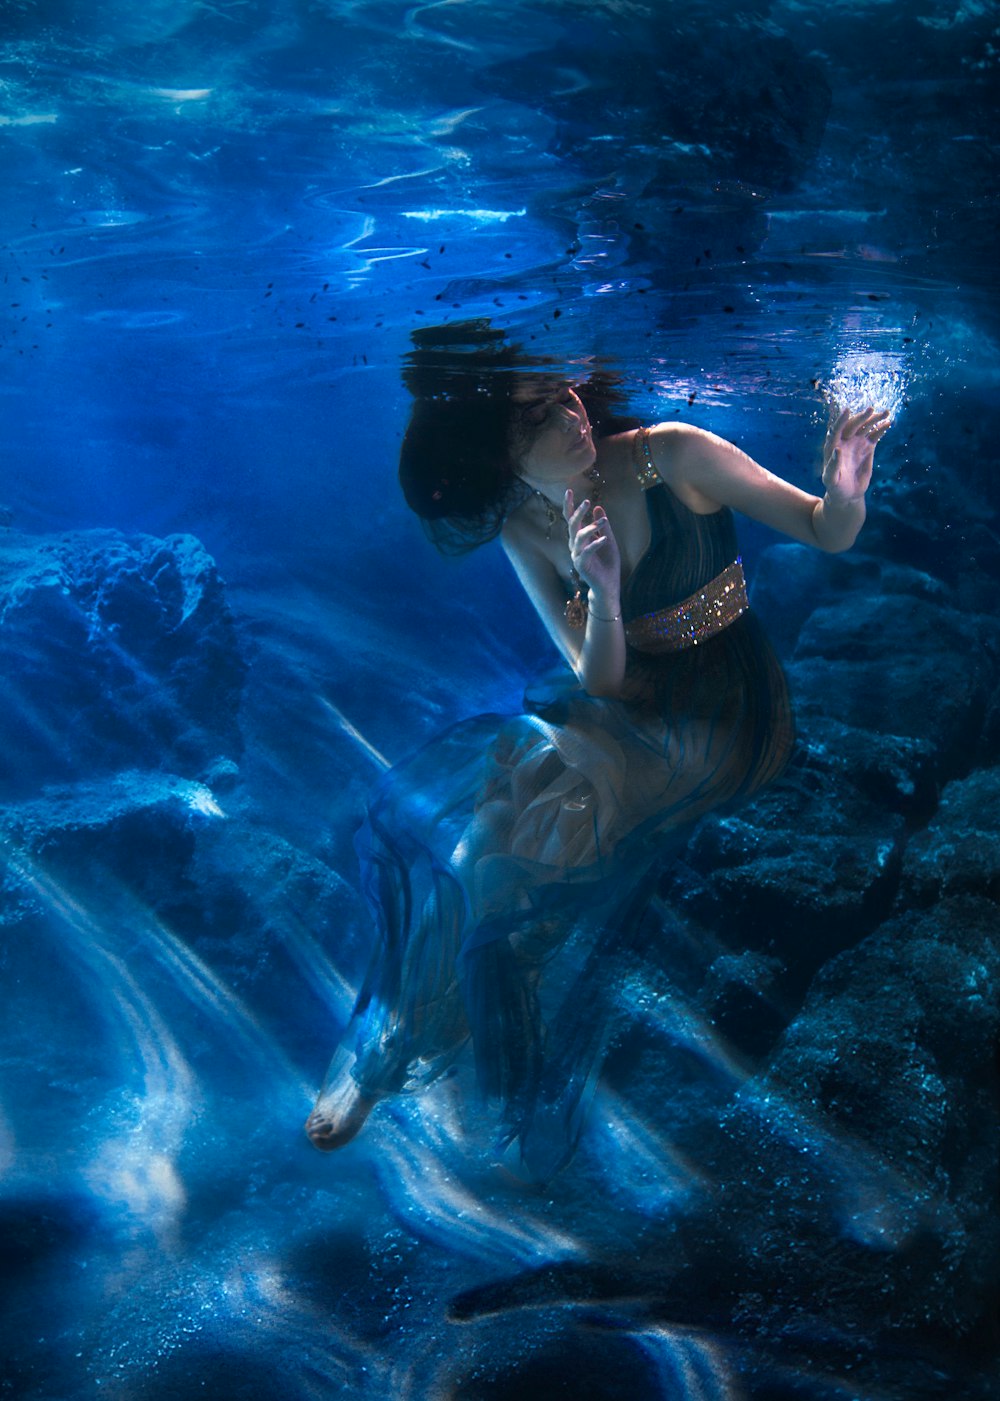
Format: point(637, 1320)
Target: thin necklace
point(552, 514)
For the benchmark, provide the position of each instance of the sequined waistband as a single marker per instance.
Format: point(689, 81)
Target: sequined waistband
point(706, 612)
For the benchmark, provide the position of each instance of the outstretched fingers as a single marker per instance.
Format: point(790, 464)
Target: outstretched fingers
point(866, 422)
point(875, 435)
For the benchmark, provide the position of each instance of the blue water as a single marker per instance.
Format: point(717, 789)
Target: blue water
point(221, 223)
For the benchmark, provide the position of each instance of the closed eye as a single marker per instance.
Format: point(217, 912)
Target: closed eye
point(537, 411)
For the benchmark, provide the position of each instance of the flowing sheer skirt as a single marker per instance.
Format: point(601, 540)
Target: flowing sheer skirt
point(508, 839)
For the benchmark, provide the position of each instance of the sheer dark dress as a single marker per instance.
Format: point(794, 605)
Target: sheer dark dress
point(510, 842)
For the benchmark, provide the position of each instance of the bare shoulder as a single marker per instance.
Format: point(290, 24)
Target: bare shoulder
point(677, 449)
point(674, 442)
point(516, 530)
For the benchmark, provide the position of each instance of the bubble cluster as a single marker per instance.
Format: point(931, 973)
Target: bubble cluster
point(867, 379)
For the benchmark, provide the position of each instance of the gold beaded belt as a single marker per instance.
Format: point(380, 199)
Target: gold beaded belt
point(699, 617)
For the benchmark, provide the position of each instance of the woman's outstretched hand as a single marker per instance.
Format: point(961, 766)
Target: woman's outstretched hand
point(849, 453)
point(593, 547)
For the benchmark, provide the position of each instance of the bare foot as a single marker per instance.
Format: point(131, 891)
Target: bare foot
point(340, 1115)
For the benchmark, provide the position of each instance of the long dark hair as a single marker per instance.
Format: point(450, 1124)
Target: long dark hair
point(456, 465)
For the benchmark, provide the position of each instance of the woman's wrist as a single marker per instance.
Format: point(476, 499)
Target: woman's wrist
point(841, 503)
point(836, 523)
point(604, 607)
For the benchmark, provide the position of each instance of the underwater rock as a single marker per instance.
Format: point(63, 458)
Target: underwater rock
point(159, 852)
point(117, 652)
point(876, 1118)
point(946, 520)
point(900, 666)
point(132, 827)
point(959, 852)
point(844, 1223)
point(803, 872)
point(791, 581)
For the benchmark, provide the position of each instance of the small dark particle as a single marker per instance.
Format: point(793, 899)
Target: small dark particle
point(707, 252)
point(299, 325)
point(508, 255)
point(642, 291)
point(365, 359)
point(521, 297)
point(313, 297)
point(679, 209)
point(438, 296)
point(497, 301)
point(266, 295)
point(740, 248)
point(556, 314)
point(418, 312)
point(691, 397)
point(640, 227)
point(878, 297)
point(697, 262)
point(425, 264)
point(907, 340)
point(728, 310)
point(326, 286)
point(441, 249)
point(331, 318)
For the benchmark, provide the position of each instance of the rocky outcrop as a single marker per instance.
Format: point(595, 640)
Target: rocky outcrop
point(116, 653)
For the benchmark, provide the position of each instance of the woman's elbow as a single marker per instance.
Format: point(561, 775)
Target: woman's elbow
point(601, 688)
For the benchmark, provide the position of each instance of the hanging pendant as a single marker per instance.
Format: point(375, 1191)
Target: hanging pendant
point(576, 610)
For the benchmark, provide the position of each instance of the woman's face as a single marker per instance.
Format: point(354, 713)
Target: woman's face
point(550, 439)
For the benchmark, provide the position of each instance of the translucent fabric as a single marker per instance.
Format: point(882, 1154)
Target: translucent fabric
point(513, 842)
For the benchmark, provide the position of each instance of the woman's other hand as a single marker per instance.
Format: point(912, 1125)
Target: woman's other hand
point(849, 453)
point(593, 547)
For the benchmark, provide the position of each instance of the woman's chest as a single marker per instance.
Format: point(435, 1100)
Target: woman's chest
point(631, 525)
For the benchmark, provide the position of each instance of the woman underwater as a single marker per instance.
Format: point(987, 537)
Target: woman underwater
point(512, 842)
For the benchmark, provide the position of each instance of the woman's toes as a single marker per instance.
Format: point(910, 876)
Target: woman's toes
point(331, 1126)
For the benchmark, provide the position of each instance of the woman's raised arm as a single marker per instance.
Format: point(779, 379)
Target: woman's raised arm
point(722, 475)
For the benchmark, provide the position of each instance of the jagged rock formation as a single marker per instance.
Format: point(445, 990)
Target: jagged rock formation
point(116, 653)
